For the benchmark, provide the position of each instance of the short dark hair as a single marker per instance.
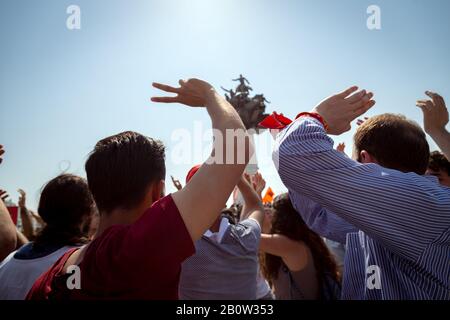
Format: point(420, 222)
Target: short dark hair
point(66, 206)
point(121, 168)
point(395, 142)
point(439, 162)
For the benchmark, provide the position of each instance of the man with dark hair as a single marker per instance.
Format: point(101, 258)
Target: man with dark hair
point(439, 166)
point(394, 220)
point(142, 237)
point(117, 170)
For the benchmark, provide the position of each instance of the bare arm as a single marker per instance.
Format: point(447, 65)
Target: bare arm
point(258, 184)
point(253, 206)
point(7, 227)
point(442, 139)
point(435, 118)
point(203, 198)
point(293, 253)
point(7, 232)
point(21, 239)
point(25, 216)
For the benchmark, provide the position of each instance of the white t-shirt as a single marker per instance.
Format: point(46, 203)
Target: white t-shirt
point(17, 276)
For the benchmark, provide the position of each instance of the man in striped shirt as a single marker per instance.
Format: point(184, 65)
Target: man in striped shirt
point(394, 220)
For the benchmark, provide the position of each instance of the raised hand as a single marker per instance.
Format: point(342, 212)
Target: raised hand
point(341, 109)
point(202, 199)
point(176, 183)
point(27, 223)
point(3, 195)
point(247, 177)
point(435, 113)
point(37, 217)
point(252, 207)
point(22, 198)
point(258, 183)
point(341, 147)
point(2, 151)
point(193, 92)
point(435, 118)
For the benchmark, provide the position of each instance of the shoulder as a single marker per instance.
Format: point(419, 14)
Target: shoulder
point(245, 234)
point(248, 226)
point(298, 256)
point(7, 260)
point(44, 284)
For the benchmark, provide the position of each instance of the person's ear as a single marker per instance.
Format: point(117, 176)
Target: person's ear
point(366, 157)
point(158, 190)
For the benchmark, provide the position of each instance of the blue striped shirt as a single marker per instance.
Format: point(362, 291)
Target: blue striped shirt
point(398, 222)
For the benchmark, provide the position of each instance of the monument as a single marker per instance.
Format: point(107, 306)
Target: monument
point(251, 109)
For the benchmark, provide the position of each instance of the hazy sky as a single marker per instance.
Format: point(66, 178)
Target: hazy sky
point(62, 90)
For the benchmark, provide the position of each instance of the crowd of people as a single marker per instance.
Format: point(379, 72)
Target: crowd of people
point(387, 209)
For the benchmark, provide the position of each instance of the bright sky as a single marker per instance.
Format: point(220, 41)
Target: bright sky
point(62, 90)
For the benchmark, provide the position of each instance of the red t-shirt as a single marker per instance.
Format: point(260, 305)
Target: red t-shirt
point(137, 261)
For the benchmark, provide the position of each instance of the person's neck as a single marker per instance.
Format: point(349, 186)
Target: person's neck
point(118, 217)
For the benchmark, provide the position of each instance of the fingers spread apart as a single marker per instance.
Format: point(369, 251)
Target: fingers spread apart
point(347, 92)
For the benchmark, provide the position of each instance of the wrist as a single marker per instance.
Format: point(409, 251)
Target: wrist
point(210, 97)
point(437, 131)
point(315, 115)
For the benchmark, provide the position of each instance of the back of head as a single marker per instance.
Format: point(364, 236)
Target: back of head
point(122, 168)
point(66, 205)
point(439, 166)
point(288, 222)
point(438, 162)
point(395, 142)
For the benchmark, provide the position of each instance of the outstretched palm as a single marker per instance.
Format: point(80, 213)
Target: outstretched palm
point(193, 92)
point(341, 109)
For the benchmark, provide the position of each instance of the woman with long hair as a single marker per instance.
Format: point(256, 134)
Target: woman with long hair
point(294, 259)
point(67, 208)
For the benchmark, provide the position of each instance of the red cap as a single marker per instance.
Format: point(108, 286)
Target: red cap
point(192, 172)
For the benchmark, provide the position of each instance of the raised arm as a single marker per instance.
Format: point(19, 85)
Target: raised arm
point(435, 118)
point(203, 198)
point(322, 221)
point(253, 206)
point(388, 205)
point(25, 216)
point(21, 239)
point(8, 237)
point(293, 253)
